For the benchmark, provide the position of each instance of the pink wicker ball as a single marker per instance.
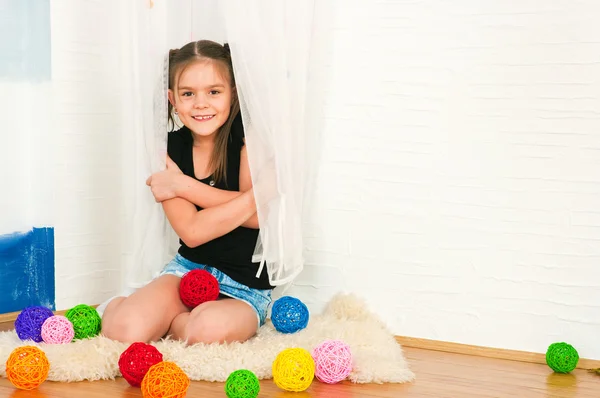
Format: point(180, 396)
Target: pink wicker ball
point(333, 361)
point(57, 329)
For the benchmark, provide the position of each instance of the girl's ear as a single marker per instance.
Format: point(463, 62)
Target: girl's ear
point(171, 97)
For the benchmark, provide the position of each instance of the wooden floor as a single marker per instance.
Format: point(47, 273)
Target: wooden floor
point(439, 375)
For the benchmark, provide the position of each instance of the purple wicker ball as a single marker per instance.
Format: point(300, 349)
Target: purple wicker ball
point(28, 324)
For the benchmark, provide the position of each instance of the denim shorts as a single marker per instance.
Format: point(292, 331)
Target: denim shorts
point(258, 299)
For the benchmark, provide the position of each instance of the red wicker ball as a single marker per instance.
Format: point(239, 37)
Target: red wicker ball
point(198, 286)
point(135, 361)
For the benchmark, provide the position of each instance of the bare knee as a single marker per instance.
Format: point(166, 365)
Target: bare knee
point(126, 330)
point(145, 315)
point(205, 326)
point(118, 323)
point(207, 331)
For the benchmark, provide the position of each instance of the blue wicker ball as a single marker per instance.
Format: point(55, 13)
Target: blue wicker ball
point(28, 324)
point(289, 315)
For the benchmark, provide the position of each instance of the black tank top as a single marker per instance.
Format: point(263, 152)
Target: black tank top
point(232, 252)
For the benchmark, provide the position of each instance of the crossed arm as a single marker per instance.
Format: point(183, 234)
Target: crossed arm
point(223, 210)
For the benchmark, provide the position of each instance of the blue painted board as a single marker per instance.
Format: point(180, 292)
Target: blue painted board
point(27, 270)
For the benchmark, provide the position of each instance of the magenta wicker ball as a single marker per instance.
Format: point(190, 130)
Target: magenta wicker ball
point(57, 330)
point(333, 361)
point(198, 286)
point(136, 360)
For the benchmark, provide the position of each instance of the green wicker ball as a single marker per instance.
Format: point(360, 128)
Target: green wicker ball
point(562, 357)
point(86, 321)
point(242, 384)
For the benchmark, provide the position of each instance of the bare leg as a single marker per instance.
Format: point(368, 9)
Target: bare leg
point(147, 314)
point(220, 321)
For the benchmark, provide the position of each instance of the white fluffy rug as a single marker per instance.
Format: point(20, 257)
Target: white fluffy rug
point(378, 358)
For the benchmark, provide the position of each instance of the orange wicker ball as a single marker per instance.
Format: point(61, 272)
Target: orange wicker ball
point(27, 367)
point(165, 379)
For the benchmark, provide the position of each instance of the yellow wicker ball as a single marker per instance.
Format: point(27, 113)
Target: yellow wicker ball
point(293, 369)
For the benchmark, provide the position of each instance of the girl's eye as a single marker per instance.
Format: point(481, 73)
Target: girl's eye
point(187, 94)
point(214, 92)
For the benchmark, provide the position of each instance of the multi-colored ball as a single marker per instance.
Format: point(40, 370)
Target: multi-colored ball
point(136, 360)
point(293, 369)
point(289, 314)
point(27, 367)
point(165, 379)
point(86, 321)
point(198, 286)
point(28, 324)
point(242, 384)
point(57, 330)
point(333, 361)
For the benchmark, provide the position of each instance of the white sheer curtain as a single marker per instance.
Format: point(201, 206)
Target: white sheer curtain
point(148, 235)
point(271, 43)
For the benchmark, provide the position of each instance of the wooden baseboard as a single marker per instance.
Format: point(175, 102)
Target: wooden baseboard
point(496, 353)
point(9, 317)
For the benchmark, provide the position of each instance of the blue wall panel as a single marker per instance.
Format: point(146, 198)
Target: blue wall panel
point(27, 270)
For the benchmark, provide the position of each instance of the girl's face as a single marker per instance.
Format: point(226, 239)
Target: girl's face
point(202, 97)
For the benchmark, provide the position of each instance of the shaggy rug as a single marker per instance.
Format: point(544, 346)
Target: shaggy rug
point(377, 357)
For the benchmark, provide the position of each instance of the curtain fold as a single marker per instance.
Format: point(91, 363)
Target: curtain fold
point(148, 236)
point(271, 49)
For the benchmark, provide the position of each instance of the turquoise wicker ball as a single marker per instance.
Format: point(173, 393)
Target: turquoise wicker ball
point(289, 315)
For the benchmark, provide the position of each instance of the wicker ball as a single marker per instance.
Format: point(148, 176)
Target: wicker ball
point(57, 330)
point(562, 357)
point(86, 321)
point(242, 384)
point(333, 361)
point(28, 324)
point(135, 361)
point(293, 369)
point(165, 379)
point(27, 367)
point(289, 315)
point(198, 286)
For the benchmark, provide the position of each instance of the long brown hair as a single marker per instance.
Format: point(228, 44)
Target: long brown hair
point(179, 59)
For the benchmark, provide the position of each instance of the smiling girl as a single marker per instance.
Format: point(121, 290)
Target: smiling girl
point(206, 193)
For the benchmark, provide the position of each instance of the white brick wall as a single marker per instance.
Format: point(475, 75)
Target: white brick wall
point(459, 190)
point(86, 147)
point(460, 183)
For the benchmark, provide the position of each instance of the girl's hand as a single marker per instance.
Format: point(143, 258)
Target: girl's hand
point(164, 183)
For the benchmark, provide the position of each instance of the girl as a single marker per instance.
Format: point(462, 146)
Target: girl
point(206, 193)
